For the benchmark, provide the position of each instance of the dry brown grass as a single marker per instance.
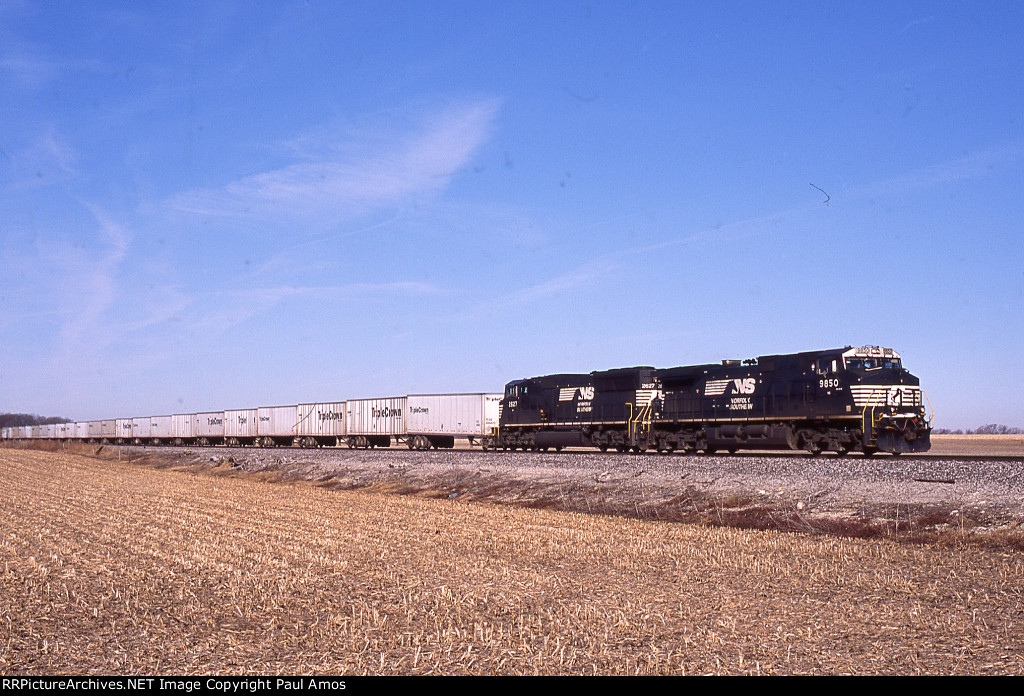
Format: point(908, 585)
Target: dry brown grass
point(111, 568)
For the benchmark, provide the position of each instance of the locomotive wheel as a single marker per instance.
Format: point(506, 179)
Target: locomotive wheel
point(809, 445)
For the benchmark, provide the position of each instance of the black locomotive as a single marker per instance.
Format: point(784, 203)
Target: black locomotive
point(842, 400)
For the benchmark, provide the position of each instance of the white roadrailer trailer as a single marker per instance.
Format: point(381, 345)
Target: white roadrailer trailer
point(210, 428)
point(373, 422)
point(184, 428)
point(241, 426)
point(276, 425)
point(320, 424)
point(161, 429)
point(436, 420)
point(141, 428)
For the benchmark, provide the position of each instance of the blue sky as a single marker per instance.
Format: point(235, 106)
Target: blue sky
point(222, 205)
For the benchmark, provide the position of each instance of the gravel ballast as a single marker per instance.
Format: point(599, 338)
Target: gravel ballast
point(859, 496)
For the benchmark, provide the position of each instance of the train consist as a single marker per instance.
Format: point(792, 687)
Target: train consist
point(421, 421)
point(842, 400)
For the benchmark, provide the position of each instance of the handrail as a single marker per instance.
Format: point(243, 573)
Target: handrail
point(873, 395)
point(928, 419)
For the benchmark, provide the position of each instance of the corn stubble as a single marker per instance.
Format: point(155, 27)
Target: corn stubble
point(112, 568)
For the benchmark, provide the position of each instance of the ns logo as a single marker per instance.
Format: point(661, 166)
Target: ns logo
point(740, 385)
point(743, 386)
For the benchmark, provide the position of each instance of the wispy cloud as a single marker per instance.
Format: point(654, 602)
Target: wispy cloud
point(228, 308)
point(972, 166)
point(90, 285)
point(32, 67)
point(331, 181)
point(565, 283)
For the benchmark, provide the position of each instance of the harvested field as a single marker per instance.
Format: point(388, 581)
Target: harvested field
point(911, 498)
point(110, 567)
point(978, 445)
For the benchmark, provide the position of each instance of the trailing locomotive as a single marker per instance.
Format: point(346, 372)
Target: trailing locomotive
point(842, 400)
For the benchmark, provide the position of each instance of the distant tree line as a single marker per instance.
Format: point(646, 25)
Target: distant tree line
point(14, 420)
point(990, 429)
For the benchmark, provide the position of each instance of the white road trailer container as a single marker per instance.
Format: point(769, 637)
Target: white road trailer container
point(140, 429)
point(210, 428)
point(184, 428)
point(321, 424)
point(160, 429)
point(276, 425)
point(81, 430)
point(240, 426)
point(373, 422)
point(108, 430)
point(435, 420)
point(123, 430)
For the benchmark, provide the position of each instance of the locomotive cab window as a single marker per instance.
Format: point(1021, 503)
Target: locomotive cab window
point(825, 367)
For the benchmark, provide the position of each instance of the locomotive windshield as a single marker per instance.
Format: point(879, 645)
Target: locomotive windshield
point(872, 363)
point(871, 358)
